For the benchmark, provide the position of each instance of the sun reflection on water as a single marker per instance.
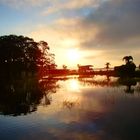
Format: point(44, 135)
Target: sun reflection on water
point(74, 85)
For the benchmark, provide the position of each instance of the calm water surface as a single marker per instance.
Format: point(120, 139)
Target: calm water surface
point(95, 108)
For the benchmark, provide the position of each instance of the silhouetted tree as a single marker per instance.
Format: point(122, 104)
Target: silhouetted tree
point(128, 69)
point(128, 59)
point(19, 53)
point(64, 67)
point(107, 65)
point(129, 66)
point(78, 65)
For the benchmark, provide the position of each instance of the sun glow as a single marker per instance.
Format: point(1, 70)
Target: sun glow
point(73, 55)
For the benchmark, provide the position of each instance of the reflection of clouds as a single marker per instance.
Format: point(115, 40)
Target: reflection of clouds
point(73, 101)
point(75, 130)
point(76, 105)
point(98, 117)
point(102, 113)
point(79, 133)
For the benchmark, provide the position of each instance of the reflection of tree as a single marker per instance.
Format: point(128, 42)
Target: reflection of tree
point(138, 86)
point(69, 104)
point(48, 86)
point(22, 96)
point(93, 82)
point(128, 82)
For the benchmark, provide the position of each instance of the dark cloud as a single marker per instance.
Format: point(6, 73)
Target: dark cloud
point(117, 22)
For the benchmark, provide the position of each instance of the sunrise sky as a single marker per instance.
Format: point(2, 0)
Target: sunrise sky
point(93, 31)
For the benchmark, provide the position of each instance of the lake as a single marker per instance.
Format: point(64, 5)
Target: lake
point(70, 108)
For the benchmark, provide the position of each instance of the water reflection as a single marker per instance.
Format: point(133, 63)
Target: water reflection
point(74, 85)
point(22, 96)
point(82, 108)
point(102, 81)
point(98, 81)
point(129, 83)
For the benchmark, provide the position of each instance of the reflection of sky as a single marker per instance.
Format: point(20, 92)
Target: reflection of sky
point(78, 112)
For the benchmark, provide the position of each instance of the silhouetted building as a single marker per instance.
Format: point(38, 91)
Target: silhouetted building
point(86, 69)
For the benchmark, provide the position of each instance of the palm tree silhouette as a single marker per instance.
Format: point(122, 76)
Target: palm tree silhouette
point(129, 67)
point(107, 65)
point(64, 67)
point(78, 65)
point(128, 59)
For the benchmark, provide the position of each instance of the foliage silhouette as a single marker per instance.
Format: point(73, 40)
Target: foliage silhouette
point(128, 59)
point(107, 65)
point(64, 67)
point(127, 70)
point(22, 54)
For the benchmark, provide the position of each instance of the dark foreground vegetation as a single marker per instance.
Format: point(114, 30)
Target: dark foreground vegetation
point(21, 55)
point(23, 62)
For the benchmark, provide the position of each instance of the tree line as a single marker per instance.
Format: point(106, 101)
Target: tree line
point(23, 54)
